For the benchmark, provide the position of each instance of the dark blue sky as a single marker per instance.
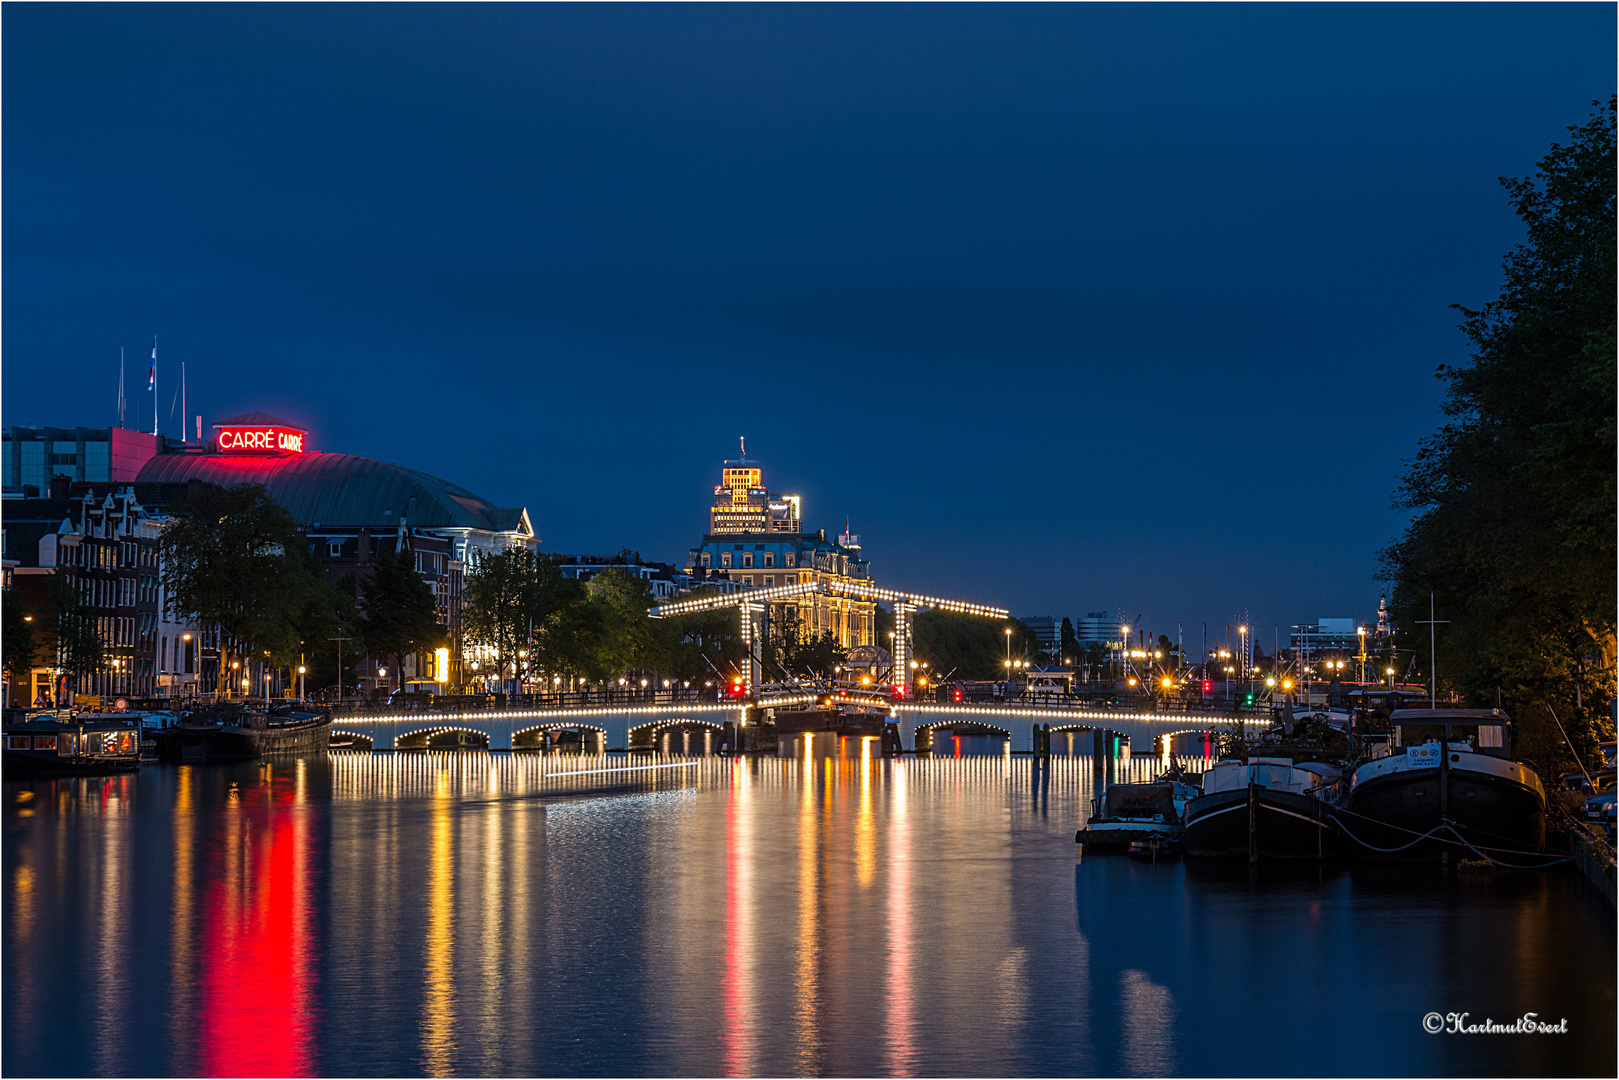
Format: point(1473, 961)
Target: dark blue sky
point(1067, 308)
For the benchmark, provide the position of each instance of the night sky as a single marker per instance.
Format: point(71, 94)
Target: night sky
point(1066, 308)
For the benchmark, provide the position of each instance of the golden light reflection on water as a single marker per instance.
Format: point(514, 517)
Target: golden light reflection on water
point(438, 1006)
point(182, 933)
point(806, 1003)
point(112, 927)
point(899, 1043)
point(737, 995)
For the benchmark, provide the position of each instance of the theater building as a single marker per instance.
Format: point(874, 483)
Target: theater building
point(352, 511)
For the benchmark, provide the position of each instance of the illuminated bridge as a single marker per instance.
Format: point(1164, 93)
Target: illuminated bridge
point(702, 727)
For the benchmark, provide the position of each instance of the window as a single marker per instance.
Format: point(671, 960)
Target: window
point(44, 742)
point(725, 558)
point(16, 742)
point(334, 549)
point(748, 580)
point(706, 558)
point(770, 558)
point(747, 558)
point(769, 581)
point(791, 558)
point(790, 579)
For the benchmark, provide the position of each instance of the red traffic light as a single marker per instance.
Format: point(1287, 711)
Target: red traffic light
point(737, 687)
point(955, 695)
point(1208, 686)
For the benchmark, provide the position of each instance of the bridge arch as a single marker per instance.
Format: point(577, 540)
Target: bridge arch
point(541, 736)
point(344, 739)
point(959, 725)
point(443, 737)
point(652, 735)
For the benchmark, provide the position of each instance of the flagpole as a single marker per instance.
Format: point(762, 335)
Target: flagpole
point(120, 386)
point(182, 401)
point(154, 386)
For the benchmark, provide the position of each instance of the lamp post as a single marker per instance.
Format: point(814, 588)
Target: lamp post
point(300, 682)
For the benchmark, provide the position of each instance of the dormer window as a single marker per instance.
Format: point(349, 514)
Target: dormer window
point(747, 559)
point(725, 558)
point(791, 558)
point(334, 549)
point(706, 558)
point(770, 558)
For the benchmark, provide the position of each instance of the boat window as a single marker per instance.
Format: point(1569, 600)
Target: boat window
point(16, 742)
point(44, 742)
point(1490, 736)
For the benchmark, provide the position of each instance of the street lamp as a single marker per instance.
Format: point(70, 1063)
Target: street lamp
point(300, 682)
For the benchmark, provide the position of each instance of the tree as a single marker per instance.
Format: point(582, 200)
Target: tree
point(1514, 533)
point(518, 601)
point(18, 642)
point(231, 558)
point(401, 615)
point(790, 650)
point(969, 646)
point(75, 638)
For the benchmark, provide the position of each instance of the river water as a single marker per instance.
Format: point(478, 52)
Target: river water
point(825, 912)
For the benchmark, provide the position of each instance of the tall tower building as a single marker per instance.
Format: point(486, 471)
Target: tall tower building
point(742, 503)
point(756, 540)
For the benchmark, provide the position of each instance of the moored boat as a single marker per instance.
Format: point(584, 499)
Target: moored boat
point(1264, 808)
point(1130, 813)
point(49, 747)
point(1447, 785)
point(247, 736)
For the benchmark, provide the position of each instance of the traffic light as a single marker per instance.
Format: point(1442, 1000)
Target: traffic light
point(737, 686)
point(1250, 698)
point(955, 695)
point(1208, 686)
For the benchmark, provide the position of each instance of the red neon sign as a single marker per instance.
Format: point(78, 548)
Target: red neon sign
point(260, 440)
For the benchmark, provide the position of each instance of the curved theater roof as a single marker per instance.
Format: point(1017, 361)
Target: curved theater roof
point(341, 490)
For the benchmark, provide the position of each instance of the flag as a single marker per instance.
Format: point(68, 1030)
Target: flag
point(151, 380)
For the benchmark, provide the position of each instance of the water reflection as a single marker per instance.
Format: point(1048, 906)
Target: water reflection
point(256, 978)
point(829, 912)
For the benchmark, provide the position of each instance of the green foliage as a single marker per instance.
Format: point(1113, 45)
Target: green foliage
point(1514, 533)
point(232, 558)
point(791, 651)
point(971, 647)
point(400, 618)
point(703, 645)
point(19, 643)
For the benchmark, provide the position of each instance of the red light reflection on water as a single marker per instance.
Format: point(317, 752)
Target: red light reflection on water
point(255, 1006)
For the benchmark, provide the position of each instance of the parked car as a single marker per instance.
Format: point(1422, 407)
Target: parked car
point(1600, 809)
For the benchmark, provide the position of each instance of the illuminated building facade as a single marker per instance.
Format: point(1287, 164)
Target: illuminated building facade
point(742, 503)
point(756, 541)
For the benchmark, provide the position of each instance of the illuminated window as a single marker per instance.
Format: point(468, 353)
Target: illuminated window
point(16, 742)
point(791, 558)
point(725, 558)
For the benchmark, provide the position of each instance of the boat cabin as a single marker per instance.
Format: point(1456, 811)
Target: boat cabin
point(1272, 773)
point(1477, 731)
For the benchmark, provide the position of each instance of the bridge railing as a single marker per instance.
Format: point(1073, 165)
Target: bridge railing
point(581, 699)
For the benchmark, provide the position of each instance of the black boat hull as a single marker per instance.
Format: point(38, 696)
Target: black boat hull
point(1118, 840)
point(214, 744)
point(1384, 816)
point(29, 765)
point(1285, 825)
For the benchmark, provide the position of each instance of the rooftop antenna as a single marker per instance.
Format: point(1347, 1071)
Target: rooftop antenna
point(122, 403)
point(1433, 683)
point(744, 441)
